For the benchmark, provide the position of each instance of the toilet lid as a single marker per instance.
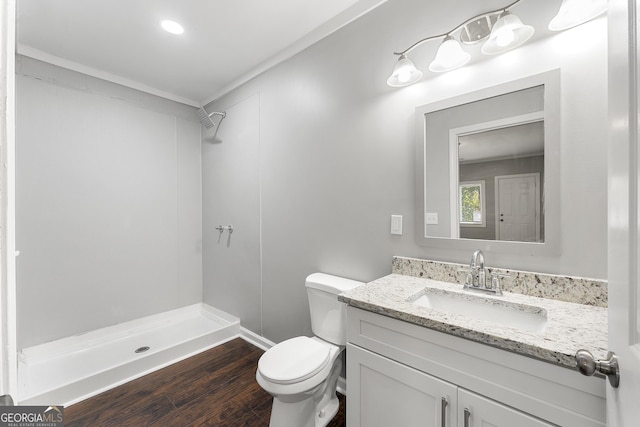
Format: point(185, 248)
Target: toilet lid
point(293, 360)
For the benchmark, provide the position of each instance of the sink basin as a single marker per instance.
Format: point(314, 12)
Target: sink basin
point(509, 314)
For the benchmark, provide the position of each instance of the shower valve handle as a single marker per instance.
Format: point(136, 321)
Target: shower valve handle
point(222, 228)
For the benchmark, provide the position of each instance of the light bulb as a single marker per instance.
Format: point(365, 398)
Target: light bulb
point(505, 37)
point(507, 33)
point(404, 76)
point(404, 73)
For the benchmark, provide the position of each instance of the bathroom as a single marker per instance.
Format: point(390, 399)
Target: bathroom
point(313, 157)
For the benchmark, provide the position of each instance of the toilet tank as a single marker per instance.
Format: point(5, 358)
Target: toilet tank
point(328, 315)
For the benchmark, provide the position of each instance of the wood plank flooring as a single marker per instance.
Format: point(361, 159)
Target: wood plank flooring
point(214, 388)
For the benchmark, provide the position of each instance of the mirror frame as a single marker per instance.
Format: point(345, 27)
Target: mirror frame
point(552, 244)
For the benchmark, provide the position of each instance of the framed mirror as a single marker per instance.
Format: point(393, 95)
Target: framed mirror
point(488, 168)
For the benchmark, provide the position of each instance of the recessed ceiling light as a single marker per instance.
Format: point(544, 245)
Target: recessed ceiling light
point(172, 27)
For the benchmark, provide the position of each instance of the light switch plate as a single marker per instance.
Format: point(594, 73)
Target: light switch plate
point(431, 218)
point(396, 225)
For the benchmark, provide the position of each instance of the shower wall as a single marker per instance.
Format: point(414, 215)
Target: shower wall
point(109, 212)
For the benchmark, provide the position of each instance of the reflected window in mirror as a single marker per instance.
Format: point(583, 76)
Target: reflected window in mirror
point(471, 203)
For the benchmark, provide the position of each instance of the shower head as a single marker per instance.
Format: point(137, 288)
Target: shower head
point(205, 118)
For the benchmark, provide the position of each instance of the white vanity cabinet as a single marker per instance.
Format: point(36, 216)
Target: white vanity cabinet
point(400, 374)
point(389, 393)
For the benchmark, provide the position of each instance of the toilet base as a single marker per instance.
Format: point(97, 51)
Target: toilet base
point(324, 416)
point(316, 410)
point(298, 414)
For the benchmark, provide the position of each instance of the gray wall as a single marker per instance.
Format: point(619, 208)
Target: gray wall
point(109, 217)
point(333, 158)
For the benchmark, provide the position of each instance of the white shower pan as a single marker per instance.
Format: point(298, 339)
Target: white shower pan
point(71, 369)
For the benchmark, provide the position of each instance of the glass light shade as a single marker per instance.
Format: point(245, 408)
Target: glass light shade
point(575, 12)
point(449, 56)
point(508, 33)
point(404, 73)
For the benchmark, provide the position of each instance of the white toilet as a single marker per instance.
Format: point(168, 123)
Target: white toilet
point(301, 373)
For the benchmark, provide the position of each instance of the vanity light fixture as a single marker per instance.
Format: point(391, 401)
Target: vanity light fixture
point(502, 30)
point(509, 33)
point(575, 12)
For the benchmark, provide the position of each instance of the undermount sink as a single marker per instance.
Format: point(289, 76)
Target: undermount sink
point(510, 314)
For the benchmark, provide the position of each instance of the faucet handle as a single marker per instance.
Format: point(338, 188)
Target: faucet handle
point(469, 276)
point(495, 282)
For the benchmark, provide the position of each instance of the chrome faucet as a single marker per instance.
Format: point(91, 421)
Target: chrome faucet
point(477, 276)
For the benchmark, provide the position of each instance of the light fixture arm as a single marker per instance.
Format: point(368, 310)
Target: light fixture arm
point(426, 39)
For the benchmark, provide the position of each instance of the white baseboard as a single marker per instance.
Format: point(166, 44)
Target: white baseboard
point(255, 339)
point(342, 386)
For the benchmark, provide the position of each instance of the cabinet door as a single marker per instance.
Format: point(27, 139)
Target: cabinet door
point(478, 411)
point(385, 393)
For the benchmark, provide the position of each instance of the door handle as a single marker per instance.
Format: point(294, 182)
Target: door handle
point(588, 366)
point(443, 409)
point(467, 415)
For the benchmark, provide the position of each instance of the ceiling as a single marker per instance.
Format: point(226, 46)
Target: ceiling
point(509, 142)
point(225, 43)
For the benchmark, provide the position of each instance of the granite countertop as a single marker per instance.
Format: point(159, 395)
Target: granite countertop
point(569, 326)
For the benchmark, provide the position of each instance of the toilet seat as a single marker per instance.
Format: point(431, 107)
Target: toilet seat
point(293, 360)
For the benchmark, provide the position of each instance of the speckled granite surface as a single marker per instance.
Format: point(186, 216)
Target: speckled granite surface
point(568, 327)
point(563, 288)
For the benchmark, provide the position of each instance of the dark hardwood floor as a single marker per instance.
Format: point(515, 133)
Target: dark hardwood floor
point(214, 388)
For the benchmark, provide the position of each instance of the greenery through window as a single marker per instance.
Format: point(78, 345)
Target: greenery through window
point(472, 212)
